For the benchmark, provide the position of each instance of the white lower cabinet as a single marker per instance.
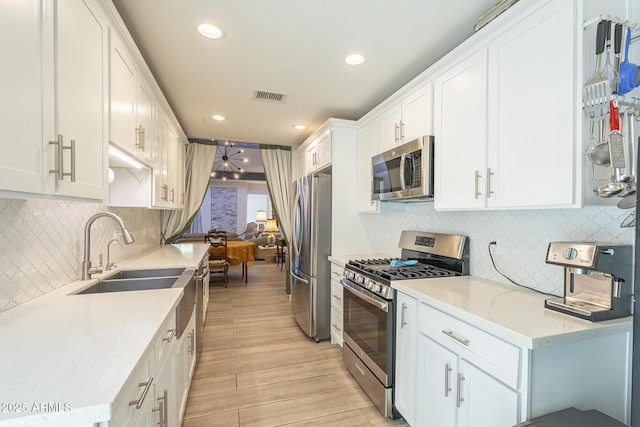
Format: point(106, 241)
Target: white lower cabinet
point(460, 394)
point(185, 365)
point(450, 373)
point(156, 392)
point(134, 406)
point(406, 336)
point(336, 304)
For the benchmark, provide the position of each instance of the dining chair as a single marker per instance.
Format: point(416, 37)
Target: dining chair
point(218, 262)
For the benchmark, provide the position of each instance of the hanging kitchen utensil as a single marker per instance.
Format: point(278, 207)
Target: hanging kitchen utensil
point(616, 140)
point(609, 189)
point(596, 91)
point(629, 221)
point(629, 174)
point(629, 200)
point(617, 45)
point(629, 73)
point(607, 68)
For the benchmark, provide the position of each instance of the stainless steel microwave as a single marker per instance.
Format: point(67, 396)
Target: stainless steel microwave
point(404, 173)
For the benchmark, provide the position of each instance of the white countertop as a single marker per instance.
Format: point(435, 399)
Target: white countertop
point(514, 314)
point(75, 352)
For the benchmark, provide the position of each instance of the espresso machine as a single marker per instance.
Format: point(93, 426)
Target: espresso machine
point(598, 281)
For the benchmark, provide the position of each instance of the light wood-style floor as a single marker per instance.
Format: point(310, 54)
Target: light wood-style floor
point(258, 369)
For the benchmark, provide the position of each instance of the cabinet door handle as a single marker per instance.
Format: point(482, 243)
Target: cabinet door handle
point(478, 193)
point(489, 175)
point(162, 409)
point(172, 333)
point(140, 401)
point(403, 316)
point(401, 130)
point(173, 195)
point(336, 297)
point(59, 159)
point(460, 398)
point(336, 327)
point(450, 334)
point(72, 174)
point(164, 195)
point(447, 379)
point(140, 134)
point(191, 343)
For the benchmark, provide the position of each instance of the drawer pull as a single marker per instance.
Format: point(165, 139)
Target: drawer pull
point(450, 334)
point(140, 401)
point(460, 398)
point(336, 327)
point(337, 298)
point(447, 384)
point(403, 316)
point(359, 369)
point(172, 333)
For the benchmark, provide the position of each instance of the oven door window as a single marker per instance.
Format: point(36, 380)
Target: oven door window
point(367, 326)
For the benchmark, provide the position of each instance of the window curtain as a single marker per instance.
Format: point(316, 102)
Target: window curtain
point(277, 170)
point(198, 164)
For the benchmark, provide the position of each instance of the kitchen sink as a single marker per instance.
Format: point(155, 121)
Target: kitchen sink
point(135, 284)
point(149, 272)
point(141, 279)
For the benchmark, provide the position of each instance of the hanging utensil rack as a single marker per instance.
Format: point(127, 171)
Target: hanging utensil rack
point(623, 100)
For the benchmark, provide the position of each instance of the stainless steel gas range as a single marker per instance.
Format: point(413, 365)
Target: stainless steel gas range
point(369, 305)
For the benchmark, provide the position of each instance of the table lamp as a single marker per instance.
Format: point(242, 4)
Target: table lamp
point(261, 219)
point(271, 229)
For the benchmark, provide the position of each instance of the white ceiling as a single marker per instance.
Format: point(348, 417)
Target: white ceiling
point(294, 47)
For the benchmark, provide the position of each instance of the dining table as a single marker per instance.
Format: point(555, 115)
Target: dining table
point(240, 252)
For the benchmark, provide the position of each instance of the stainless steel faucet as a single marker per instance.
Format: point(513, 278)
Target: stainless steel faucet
point(110, 264)
point(87, 271)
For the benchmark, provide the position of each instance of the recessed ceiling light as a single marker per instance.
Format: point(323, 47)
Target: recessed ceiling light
point(354, 59)
point(209, 30)
point(218, 117)
point(299, 127)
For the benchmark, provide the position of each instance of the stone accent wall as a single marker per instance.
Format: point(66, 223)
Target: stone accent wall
point(224, 208)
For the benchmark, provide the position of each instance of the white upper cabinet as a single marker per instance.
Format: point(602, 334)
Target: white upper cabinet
point(122, 74)
point(54, 94)
point(81, 98)
point(22, 163)
point(318, 154)
point(367, 147)
point(408, 119)
point(505, 118)
point(461, 137)
point(531, 111)
point(145, 106)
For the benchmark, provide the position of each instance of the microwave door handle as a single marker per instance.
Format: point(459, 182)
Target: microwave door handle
point(402, 165)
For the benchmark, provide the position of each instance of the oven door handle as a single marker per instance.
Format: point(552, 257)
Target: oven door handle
point(382, 305)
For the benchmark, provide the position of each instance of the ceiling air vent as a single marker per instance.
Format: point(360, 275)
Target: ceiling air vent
point(265, 96)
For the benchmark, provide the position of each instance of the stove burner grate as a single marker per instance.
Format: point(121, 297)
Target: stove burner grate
point(381, 268)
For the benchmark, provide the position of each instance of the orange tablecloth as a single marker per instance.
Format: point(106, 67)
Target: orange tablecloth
point(239, 252)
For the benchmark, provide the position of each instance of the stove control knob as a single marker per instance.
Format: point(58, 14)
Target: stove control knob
point(570, 253)
point(376, 287)
point(359, 280)
point(370, 284)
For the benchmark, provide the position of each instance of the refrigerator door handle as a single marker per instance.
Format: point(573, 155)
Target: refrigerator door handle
point(297, 242)
point(300, 278)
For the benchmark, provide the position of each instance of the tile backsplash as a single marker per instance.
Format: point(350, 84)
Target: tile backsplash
point(42, 243)
point(522, 237)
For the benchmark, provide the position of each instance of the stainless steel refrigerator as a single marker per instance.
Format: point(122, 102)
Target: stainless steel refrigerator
point(311, 246)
